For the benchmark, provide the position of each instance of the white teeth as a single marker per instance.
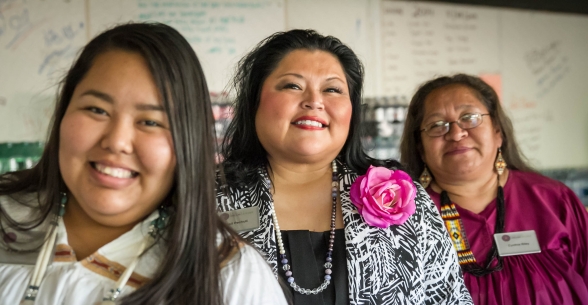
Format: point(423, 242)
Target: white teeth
point(309, 123)
point(113, 171)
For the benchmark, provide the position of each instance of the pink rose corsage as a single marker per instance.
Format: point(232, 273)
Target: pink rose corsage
point(384, 197)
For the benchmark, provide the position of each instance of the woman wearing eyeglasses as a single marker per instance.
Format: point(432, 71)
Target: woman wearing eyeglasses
point(460, 144)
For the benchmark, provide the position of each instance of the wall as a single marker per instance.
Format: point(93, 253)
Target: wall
point(535, 60)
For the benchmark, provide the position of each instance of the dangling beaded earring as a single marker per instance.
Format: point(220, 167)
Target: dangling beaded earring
point(500, 164)
point(425, 177)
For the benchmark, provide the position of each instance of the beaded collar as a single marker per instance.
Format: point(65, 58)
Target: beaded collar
point(457, 233)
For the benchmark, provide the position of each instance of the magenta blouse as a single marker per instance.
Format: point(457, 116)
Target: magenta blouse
point(557, 275)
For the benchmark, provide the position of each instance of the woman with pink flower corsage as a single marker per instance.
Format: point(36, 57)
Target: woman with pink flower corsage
point(521, 238)
point(336, 226)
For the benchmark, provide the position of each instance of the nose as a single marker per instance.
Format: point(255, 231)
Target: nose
point(118, 137)
point(313, 99)
point(455, 132)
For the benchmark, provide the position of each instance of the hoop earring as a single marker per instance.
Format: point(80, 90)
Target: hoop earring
point(500, 163)
point(425, 177)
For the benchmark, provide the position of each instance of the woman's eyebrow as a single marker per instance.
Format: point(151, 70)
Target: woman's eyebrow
point(149, 107)
point(109, 99)
point(460, 107)
point(335, 78)
point(434, 114)
point(291, 74)
point(98, 94)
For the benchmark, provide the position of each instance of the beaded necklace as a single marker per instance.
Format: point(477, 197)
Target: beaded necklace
point(458, 236)
point(47, 250)
point(328, 264)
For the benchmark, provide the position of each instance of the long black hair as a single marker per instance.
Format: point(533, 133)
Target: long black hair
point(189, 273)
point(411, 147)
point(241, 149)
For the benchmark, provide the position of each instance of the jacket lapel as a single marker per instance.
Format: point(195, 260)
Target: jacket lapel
point(358, 239)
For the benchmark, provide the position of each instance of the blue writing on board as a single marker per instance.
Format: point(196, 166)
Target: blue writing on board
point(549, 65)
point(60, 42)
point(51, 58)
point(20, 24)
point(206, 24)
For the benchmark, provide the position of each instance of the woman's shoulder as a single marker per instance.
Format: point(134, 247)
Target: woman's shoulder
point(425, 206)
point(532, 178)
point(241, 253)
point(542, 191)
point(20, 207)
point(248, 279)
point(522, 180)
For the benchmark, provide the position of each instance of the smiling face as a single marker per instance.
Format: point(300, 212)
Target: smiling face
point(116, 153)
point(304, 110)
point(459, 154)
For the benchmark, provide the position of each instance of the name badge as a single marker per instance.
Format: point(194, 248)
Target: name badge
point(243, 219)
point(517, 243)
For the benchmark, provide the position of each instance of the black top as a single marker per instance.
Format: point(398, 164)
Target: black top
point(306, 252)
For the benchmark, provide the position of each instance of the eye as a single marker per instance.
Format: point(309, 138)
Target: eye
point(469, 117)
point(334, 90)
point(96, 110)
point(437, 125)
point(292, 86)
point(151, 123)
point(470, 120)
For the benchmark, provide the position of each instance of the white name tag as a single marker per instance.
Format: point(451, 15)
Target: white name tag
point(243, 219)
point(517, 243)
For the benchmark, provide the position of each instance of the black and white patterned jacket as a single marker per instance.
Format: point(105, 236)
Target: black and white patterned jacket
point(413, 263)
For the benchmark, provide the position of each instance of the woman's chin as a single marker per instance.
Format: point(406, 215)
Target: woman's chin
point(462, 172)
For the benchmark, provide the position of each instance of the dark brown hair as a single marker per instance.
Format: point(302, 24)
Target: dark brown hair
point(411, 148)
point(189, 273)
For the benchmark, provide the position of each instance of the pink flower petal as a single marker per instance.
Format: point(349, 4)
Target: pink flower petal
point(384, 197)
